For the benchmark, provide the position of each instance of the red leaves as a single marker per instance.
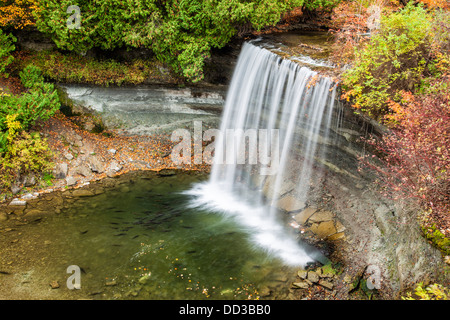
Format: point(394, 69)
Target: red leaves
point(416, 154)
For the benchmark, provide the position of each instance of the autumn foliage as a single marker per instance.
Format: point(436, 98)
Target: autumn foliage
point(18, 14)
point(416, 155)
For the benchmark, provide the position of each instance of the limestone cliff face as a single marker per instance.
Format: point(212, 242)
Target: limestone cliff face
point(346, 208)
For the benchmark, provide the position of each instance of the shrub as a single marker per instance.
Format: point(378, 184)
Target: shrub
point(180, 33)
point(6, 47)
point(25, 153)
point(416, 154)
point(73, 68)
point(404, 55)
point(433, 291)
point(31, 76)
point(39, 103)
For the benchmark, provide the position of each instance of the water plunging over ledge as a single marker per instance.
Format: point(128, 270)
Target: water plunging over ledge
point(277, 95)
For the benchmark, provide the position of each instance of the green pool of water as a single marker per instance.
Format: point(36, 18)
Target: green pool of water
point(139, 240)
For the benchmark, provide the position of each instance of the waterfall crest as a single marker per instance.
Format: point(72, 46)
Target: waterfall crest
point(282, 113)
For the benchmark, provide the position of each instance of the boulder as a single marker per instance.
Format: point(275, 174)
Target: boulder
point(34, 212)
point(337, 236)
point(15, 188)
point(3, 216)
point(68, 156)
point(29, 181)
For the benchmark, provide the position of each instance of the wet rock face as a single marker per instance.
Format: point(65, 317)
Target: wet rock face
point(345, 208)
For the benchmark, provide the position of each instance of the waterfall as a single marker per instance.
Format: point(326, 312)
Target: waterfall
point(279, 113)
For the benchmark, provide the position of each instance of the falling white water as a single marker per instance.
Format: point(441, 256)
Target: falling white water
point(268, 92)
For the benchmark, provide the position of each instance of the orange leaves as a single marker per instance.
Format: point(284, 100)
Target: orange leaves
point(432, 4)
point(18, 14)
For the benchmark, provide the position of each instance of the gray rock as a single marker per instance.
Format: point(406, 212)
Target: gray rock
point(115, 166)
point(15, 188)
point(326, 284)
point(313, 277)
point(301, 285)
point(68, 156)
point(29, 181)
point(29, 196)
point(17, 202)
point(303, 274)
point(61, 170)
point(112, 151)
point(71, 181)
point(75, 140)
point(96, 165)
point(82, 170)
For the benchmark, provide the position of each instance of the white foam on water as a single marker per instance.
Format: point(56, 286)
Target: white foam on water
point(267, 92)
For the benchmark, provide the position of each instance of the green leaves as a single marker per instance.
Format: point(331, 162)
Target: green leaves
point(39, 103)
point(6, 47)
point(396, 58)
point(180, 32)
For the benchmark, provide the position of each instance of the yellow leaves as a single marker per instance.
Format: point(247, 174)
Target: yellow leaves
point(13, 126)
point(18, 14)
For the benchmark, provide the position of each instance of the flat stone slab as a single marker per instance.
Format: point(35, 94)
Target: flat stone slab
point(337, 236)
point(326, 284)
point(290, 204)
point(321, 216)
point(17, 202)
point(303, 274)
point(82, 193)
point(303, 216)
point(324, 229)
point(301, 285)
point(313, 276)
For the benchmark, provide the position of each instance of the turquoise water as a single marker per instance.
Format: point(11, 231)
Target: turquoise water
point(141, 241)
